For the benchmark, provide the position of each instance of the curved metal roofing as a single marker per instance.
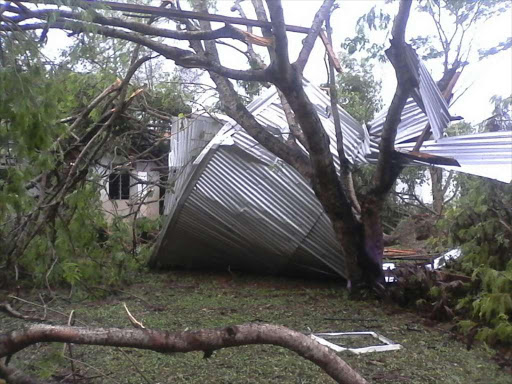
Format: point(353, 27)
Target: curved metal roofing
point(238, 205)
point(235, 204)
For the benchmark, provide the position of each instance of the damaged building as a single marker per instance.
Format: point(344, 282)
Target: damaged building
point(233, 204)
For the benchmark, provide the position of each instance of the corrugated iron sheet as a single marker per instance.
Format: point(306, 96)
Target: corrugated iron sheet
point(234, 204)
point(483, 154)
point(238, 205)
point(189, 136)
point(268, 112)
point(245, 213)
point(426, 106)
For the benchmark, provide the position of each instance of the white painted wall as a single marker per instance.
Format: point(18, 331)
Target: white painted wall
point(149, 194)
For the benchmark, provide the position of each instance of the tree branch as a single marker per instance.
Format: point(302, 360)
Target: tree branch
point(345, 173)
point(309, 42)
point(400, 55)
point(235, 109)
point(281, 59)
point(182, 57)
point(228, 31)
point(188, 341)
point(172, 13)
point(295, 130)
point(251, 54)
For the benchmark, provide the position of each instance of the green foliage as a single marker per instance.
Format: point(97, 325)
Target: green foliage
point(481, 224)
point(501, 119)
point(167, 96)
point(76, 246)
point(374, 20)
point(392, 213)
point(358, 90)
point(453, 19)
point(477, 288)
point(90, 251)
point(52, 361)
point(426, 47)
point(202, 5)
point(502, 46)
point(28, 108)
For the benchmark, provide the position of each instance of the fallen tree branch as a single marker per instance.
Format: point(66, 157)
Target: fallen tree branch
point(188, 341)
point(182, 57)
point(6, 307)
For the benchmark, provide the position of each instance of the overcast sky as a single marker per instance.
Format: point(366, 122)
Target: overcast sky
point(491, 76)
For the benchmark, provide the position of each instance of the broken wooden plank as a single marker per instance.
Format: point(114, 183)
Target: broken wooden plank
point(330, 51)
point(430, 159)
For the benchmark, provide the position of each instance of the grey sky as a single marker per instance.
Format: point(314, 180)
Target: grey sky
point(491, 76)
point(486, 78)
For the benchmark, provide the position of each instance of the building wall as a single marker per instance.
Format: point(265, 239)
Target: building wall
point(150, 194)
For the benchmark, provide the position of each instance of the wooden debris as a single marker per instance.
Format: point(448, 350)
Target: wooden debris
point(330, 51)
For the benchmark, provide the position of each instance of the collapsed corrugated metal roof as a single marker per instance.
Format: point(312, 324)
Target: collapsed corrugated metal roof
point(238, 205)
point(484, 154)
point(188, 138)
point(425, 106)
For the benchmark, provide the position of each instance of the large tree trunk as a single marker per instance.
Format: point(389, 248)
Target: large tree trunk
point(373, 239)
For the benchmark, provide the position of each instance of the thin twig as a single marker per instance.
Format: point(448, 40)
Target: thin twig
point(71, 321)
point(133, 320)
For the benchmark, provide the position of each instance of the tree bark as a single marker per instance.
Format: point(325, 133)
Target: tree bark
point(436, 176)
point(207, 340)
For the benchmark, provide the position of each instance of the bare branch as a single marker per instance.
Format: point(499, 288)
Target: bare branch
point(133, 320)
point(167, 13)
point(235, 109)
point(228, 31)
point(202, 340)
point(182, 57)
point(281, 59)
point(251, 54)
point(345, 173)
point(316, 27)
point(400, 22)
point(295, 130)
point(7, 308)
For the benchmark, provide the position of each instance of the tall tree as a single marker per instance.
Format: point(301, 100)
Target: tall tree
point(360, 236)
point(455, 22)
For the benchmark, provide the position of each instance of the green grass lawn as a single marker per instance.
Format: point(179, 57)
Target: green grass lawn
point(176, 301)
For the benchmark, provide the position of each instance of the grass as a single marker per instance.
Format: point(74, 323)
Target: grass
point(176, 301)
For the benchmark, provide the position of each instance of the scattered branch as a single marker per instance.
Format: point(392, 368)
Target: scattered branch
point(9, 310)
